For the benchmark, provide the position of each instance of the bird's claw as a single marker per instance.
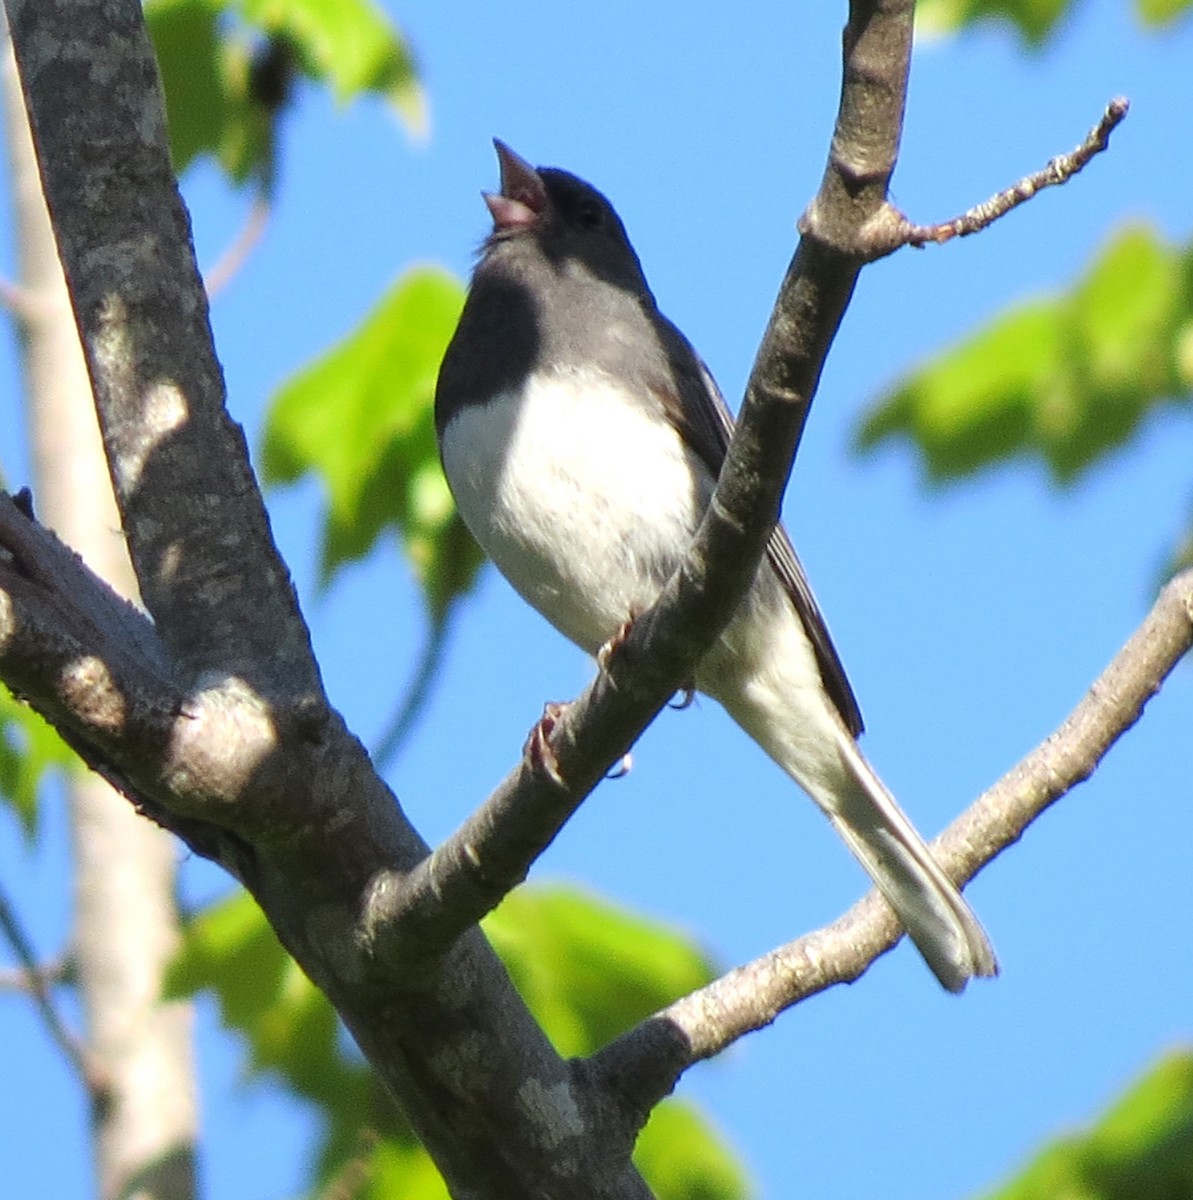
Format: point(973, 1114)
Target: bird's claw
point(537, 751)
point(610, 648)
point(687, 696)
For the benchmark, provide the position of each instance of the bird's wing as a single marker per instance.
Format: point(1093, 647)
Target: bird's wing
point(703, 418)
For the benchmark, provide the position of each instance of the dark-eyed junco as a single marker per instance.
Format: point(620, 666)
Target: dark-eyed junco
point(582, 437)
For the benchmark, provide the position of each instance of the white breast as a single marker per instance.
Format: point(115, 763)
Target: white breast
point(583, 500)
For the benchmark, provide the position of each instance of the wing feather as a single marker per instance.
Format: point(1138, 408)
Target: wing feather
point(704, 419)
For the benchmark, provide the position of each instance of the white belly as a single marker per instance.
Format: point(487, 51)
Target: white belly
point(583, 501)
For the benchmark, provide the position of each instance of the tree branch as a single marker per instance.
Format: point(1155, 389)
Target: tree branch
point(645, 1063)
point(1059, 170)
point(36, 979)
point(236, 254)
point(18, 301)
point(195, 523)
point(50, 974)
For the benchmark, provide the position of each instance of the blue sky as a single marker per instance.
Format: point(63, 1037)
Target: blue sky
point(970, 619)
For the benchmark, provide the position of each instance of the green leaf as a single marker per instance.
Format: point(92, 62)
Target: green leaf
point(1161, 13)
point(292, 1032)
point(1064, 380)
point(29, 750)
point(587, 969)
point(289, 1025)
point(683, 1158)
point(361, 420)
point(1142, 1148)
point(200, 103)
point(351, 45)
point(403, 1169)
point(227, 67)
point(1033, 20)
point(215, 103)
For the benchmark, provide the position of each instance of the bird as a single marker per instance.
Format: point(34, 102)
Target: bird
point(582, 436)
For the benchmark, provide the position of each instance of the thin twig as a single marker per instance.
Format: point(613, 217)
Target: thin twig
point(355, 1172)
point(48, 975)
point(418, 693)
point(225, 268)
point(37, 983)
point(20, 301)
point(1059, 170)
point(645, 1062)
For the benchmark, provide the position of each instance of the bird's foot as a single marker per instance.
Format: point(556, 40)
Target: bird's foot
point(610, 648)
point(537, 751)
point(687, 696)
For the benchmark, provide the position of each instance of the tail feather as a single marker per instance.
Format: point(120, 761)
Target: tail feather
point(765, 674)
point(927, 903)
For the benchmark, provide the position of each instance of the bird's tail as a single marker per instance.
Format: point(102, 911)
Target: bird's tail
point(929, 906)
point(793, 722)
point(777, 697)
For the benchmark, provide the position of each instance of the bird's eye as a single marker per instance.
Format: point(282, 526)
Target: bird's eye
point(589, 215)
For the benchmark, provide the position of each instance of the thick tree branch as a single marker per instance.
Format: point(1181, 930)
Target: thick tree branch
point(448, 1032)
point(192, 512)
point(90, 659)
point(645, 1063)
